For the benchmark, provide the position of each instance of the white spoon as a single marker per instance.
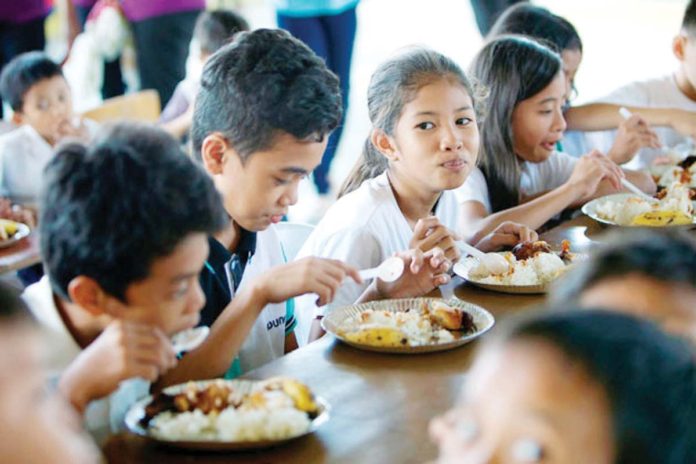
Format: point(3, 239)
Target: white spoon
point(390, 270)
point(189, 339)
point(495, 263)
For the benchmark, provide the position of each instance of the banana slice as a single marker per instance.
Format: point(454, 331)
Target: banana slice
point(662, 219)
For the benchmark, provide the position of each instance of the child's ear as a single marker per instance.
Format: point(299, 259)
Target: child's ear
point(678, 45)
point(17, 118)
point(88, 294)
point(384, 144)
point(213, 152)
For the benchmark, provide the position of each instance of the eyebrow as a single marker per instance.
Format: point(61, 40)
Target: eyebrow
point(433, 113)
point(178, 278)
point(547, 100)
point(294, 170)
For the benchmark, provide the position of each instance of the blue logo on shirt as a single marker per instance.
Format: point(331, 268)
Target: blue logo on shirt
point(276, 323)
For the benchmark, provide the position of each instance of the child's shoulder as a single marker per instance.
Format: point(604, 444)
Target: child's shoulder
point(358, 208)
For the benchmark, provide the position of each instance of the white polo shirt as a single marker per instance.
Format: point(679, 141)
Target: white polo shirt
point(535, 179)
point(362, 229)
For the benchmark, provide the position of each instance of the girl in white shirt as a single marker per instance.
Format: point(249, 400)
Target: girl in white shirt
point(423, 144)
point(522, 178)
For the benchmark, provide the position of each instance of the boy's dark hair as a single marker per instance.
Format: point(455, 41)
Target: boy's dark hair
point(217, 27)
point(513, 68)
point(263, 84)
point(22, 73)
point(648, 376)
point(538, 23)
point(12, 307)
point(111, 209)
point(663, 256)
point(689, 21)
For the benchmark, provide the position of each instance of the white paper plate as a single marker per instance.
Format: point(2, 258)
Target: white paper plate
point(590, 209)
point(333, 323)
point(137, 412)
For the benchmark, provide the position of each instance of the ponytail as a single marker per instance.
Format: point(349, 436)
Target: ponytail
point(370, 164)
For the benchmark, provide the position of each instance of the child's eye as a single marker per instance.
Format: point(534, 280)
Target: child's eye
point(464, 121)
point(528, 450)
point(280, 181)
point(546, 111)
point(181, 291)
point(42, 105)
point(425, 125)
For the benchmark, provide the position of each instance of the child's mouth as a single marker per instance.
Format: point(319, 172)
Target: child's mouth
point(454, 165)
point(549, 146)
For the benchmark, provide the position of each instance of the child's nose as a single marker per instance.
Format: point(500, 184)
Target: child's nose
point(559, 123)
point(451, 141)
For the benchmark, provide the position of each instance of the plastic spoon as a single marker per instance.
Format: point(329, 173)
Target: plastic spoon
point(495, 263)
point(390, 270)
point(189, 339)
point(626, 114)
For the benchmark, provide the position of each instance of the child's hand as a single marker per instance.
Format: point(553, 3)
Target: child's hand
point(124, 350)
point(634, 133)
point(423, 272)
point(74, 129)
point(507, 234)
point(683, 122)
point(307, 275)
point(429, 233)
point(590, 170)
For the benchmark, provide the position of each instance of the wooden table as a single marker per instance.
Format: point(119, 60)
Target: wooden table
point(20, 255)
point(381, 403)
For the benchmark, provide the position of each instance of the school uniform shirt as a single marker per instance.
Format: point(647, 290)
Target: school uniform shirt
point(363, 228)
point(224, 274)
point(24, 154)
point(660, 92)
point(535, 178)
point(104, 416)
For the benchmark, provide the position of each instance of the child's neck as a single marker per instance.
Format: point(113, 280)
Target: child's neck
point(83, 326)
point(685, 85)
point(230, 236)
point(413, 202)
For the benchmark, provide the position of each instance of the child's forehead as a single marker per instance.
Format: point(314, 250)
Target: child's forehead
point(48, 84)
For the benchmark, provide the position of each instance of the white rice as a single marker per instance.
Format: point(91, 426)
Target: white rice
point(231, 425)
point(539, 270)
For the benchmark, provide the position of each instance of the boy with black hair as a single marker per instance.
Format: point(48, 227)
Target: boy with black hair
point(213, 30)
point(39, 95)
point(261, 122)
point(123, 244)
point(647, 274)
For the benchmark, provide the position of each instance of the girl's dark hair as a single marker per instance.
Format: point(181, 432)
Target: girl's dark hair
point(666, 256)
point(394, 84)
point(649, 378)
point(215, 28)
point(512, 69)
point(538, 23)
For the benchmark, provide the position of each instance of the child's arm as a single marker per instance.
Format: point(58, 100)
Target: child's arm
point(604, 116)
point(588, 173)
point(214, 356)
point(123, 350)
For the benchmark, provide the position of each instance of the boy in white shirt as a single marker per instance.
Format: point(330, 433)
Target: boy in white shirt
point(39, 95)
point(667, 102)
point(261, 122)
point(122, 265)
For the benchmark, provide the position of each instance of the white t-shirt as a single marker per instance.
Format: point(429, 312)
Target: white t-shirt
point(104, 416)
point(660, 92)
point(24, 155)
point(362, 229)
point(535, 178)
point(266, 339)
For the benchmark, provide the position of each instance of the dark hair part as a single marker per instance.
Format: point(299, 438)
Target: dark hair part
point(648, 376)
point(111, 209)
point(394, 84)
point(665, 256)
point(261, 85)
point(689, 21)
point(513, 69)
point(12, 307)
point(538, 23)
point(22, 73)
point(214, 28)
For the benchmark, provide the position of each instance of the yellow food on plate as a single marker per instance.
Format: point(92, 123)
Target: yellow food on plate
point(662, 218)
point(7, 228)
point(378, 336)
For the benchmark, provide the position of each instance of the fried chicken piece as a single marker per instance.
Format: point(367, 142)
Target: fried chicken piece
point(526, 250)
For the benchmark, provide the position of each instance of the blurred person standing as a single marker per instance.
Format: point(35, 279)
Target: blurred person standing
point(327, 27)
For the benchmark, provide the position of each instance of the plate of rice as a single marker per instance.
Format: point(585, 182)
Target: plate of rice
point(673, 208)
point(228, 414)
point(533, 267)
point(409, 325)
